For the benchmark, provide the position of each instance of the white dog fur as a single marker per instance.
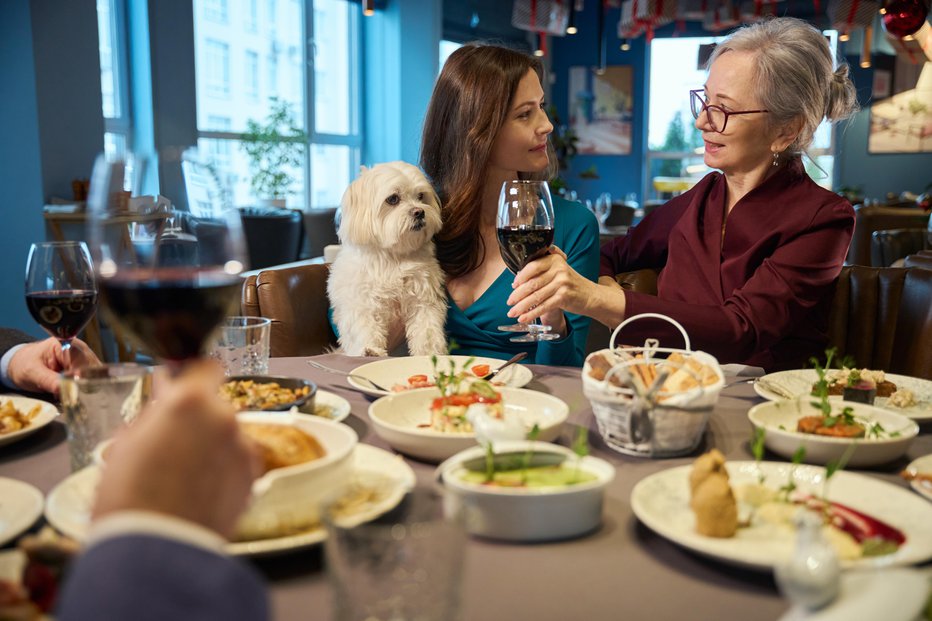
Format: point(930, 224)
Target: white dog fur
point(386, 281)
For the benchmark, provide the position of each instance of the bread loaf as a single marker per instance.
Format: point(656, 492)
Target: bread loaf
point(282, 445)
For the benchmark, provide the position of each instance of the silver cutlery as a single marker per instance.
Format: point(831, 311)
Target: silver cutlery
point(516, 358)
point(775, 388)
point(323, 367)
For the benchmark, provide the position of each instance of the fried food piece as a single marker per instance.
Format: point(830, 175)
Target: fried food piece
point(706, 465)
point(816, 425)
point(715, 507)
point(252, 395)
point(282, 445)
point(12, 419)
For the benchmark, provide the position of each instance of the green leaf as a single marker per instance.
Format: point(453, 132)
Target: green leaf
point(757, 443)
point(799, 455)
point(581, 442)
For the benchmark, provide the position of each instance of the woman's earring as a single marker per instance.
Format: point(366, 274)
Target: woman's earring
point(776, 158)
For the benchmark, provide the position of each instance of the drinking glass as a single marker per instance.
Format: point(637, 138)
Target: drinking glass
point(61, 293)
point(525, 233)
point(166, 277)
point(603, 208)
point(242, 345)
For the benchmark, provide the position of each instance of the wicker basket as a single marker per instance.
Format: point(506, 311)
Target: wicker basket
point(664, 424)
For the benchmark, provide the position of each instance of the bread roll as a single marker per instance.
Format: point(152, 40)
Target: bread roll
point(282, 445)
point(714, 505)
point(706, 465)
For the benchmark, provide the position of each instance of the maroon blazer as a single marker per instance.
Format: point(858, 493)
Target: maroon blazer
point(762, 295)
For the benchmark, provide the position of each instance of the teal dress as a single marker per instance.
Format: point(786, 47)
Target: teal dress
point(474, 331)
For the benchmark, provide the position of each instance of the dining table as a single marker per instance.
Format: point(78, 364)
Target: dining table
point(622, 570)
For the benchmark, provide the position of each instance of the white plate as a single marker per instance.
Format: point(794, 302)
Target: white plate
point(392, 371)
point(888, 594)
point(800, 381)
point(661, 502)
point(46, 414)
point(339, 407)
point(779, 418)
point(924, 465)
point(398, 419)
point(68, 506)
point(20, 507)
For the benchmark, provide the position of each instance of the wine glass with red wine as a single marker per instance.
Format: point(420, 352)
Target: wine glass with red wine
point(167, 277)
point(61, 293)
point(525, 233)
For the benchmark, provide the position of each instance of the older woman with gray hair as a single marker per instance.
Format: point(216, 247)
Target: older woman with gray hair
point(750, 255)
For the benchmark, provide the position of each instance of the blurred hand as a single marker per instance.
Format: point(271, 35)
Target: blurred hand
point(35, 366)
point(184, 456)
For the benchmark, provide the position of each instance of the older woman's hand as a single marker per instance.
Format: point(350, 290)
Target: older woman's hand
point(547, 287)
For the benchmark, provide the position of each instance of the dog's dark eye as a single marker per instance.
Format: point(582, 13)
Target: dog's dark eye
point(394, 199)
point(420, 197)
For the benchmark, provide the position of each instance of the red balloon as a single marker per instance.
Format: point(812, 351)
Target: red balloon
point(904, 17)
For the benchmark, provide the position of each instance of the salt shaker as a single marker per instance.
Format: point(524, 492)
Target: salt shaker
point(810, 578)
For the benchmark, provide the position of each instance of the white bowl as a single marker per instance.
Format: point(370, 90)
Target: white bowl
point(398, 418)
point(778, 420)
point(516, 514)
point(286, 500)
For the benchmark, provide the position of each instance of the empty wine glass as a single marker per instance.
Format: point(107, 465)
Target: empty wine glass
point(61, 292)
point(525, 233)
point(603, 207)
point(166, 277)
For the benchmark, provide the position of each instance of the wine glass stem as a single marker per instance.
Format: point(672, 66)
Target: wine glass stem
point(65, 354)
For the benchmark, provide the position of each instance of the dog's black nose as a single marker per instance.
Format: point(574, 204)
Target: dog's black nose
point(417, 214)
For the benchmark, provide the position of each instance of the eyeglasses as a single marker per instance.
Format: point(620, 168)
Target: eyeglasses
point(717, 116)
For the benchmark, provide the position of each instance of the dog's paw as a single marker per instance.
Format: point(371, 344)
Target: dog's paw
point(376, 351)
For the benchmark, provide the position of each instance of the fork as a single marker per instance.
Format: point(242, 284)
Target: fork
point(323, 367)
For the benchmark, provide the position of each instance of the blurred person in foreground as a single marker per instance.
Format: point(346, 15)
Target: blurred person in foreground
point(750, 255)
point(27, 365)
point(173, 486)
point(487, 123)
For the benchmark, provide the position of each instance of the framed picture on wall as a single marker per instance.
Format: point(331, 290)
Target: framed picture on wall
point(601, 109)
point(902, 123)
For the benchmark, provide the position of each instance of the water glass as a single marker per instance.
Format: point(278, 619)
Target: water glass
point(404, 566)
point(97, 401)
point(242, 345)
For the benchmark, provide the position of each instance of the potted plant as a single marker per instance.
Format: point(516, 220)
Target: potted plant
point(273, 147)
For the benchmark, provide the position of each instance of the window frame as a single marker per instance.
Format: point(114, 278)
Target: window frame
point(120, 125)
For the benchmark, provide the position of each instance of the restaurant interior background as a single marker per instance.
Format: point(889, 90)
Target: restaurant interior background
point(181, 72)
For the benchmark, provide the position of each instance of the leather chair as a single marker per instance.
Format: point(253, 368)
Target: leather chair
point(295, 299)
point(880, 316)
point(892, 245)
point(922, 259)
point(320, 230)
point(621, 214)
point(272, 235)
point(870, 218)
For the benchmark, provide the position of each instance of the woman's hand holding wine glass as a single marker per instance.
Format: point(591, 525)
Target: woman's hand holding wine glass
point(525, 233)
point(61, 292)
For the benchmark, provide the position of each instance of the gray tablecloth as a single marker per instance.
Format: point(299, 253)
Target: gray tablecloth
point(623, 571)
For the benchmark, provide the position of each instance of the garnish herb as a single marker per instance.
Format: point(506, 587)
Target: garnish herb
point(820, 389)
point(798, 456)
point(526, 459)
point(580, 447)
point(875, 430)
point(757, 449)
point(834, 466)
point(489, 463)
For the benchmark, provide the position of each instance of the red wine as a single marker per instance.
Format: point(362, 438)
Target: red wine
point(521, 245)
point(171, 312)
point(64, 312)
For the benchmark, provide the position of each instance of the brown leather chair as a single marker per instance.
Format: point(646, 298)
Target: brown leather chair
point(922, 259)
point(295, 299)
point(880, 316)
point(870, 218)
point(892, 245)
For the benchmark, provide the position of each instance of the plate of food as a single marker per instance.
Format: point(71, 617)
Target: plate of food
point(412, 372)
point(909, 396)
point(269, 393)
point(20, 508)
point(741, 512)
point(378, 483)
point(427, 425)
point(919, 475)
point(861, 434)
point(21, 416)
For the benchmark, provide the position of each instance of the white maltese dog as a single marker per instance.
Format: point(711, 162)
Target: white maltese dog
point(386, 283)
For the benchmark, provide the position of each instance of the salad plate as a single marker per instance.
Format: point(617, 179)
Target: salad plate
point(382, 477)
point(798, 382)
point(887, 435)
point(922, 484)
point(404, 420)
point(46, 414)
point(395, 373)
point(20, 507)
point(661, 502)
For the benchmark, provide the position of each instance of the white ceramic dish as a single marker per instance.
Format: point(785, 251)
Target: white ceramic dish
point(889, 594)
point(514, 514)
point(398, 419)
point(799, 382)
point(396, 371)
point(20, 507)
point(338, 406)
point(68, 506)
point(778, 420)
point(661, 502)
point(47, 413)
point(922, 465)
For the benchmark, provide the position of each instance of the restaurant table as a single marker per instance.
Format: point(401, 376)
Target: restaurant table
point(621, 571)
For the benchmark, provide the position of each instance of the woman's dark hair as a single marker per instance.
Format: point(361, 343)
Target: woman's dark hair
point(468, 107)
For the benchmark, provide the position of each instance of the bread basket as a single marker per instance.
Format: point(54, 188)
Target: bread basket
point(665, 418)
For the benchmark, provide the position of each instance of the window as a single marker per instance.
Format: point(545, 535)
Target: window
point(447, 48)
point(251, 67)
point(276, 62)
point(217, 68)
point(674, 143)
point(216, 11)
point(251, 20)
point(114, 80)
